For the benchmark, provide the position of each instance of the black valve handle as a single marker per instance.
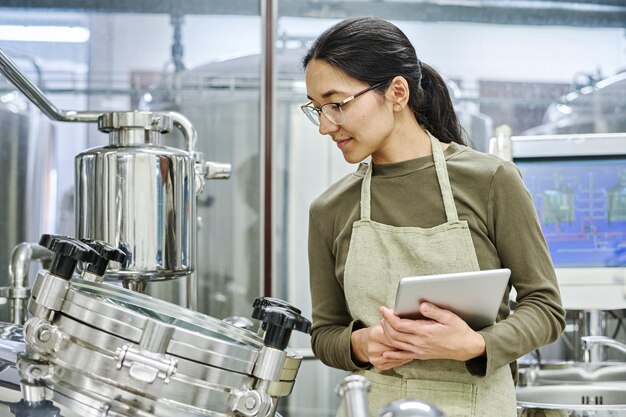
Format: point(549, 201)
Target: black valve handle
point(280, 323)
point(107, 253)
point(67, 253)
point(279, 319)
point(261, 303)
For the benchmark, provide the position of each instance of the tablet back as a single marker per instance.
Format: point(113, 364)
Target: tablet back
point(473, 296)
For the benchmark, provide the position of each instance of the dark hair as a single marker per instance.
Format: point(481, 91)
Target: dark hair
point(373, 50)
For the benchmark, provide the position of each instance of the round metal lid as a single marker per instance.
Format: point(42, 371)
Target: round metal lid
point(161, 326)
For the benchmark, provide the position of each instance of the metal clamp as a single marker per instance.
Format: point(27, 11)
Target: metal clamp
point(144, 366)
point(252, 403)
point(48, 293)
point(32, 379)
point(42, 336)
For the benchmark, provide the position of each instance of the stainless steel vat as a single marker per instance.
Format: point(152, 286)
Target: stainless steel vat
point(28, 183)
point(563, 373)
point(572, 401)
point(138, 194)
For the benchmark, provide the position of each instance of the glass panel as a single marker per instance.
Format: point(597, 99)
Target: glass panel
point(168, 313)
point(200, 62)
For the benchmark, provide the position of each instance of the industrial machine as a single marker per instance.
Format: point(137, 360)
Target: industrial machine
point(104, 350)
point(576, 180)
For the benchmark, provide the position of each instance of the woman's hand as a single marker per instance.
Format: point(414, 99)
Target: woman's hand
point(442, 335)
point(370, 345)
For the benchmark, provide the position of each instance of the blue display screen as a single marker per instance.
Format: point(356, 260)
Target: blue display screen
point(581, 205)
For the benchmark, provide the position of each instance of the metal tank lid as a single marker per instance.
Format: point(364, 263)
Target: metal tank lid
point(105, 342)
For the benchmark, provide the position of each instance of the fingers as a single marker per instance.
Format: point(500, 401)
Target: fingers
point(441, 335)
point(396, 328)
point(399, 355)
point(435, 313)
point(428, 310)
point(395, 322)
point(377, 345)
point(384, 363)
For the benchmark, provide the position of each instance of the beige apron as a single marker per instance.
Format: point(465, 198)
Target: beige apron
point(378, 257)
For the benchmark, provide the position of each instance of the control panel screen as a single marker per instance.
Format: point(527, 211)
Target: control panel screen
point(581, 205)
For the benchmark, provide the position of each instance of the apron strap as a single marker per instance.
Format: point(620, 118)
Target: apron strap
point(444, 180)
point(442, 177)
point(366, 200)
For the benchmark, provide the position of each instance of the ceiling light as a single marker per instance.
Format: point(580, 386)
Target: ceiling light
point(74, 34)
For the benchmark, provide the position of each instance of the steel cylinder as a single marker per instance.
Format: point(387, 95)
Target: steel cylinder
point(137, 194)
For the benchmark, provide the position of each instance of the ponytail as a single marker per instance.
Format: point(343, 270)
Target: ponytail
point(433, 108)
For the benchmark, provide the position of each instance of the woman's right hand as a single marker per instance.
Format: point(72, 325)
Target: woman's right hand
point(368, 346)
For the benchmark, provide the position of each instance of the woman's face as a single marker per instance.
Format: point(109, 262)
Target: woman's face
point(369, 118)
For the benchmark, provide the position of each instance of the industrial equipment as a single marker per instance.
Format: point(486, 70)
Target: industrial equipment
point(103, 350)
point(136, 193)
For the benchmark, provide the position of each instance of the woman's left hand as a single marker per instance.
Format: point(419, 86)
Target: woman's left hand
point(442, 335)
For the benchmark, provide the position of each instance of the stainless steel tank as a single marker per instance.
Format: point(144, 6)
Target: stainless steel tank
point(28, 183)
point(103, 350)
point(138, 193)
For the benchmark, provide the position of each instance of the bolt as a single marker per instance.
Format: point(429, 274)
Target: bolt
point(44, 335)
point(250, 403)
point(35, 371)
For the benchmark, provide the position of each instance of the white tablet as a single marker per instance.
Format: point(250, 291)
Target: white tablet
point(474, 296)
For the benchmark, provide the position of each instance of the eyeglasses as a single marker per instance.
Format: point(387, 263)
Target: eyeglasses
point(332, 111)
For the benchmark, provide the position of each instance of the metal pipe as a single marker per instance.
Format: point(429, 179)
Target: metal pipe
point(34, 94)
point(191, 138)
point(36, 63)
point(23, 254)
point(189, 132)
point(596, 342)
point(594, 326)
point(353, 390)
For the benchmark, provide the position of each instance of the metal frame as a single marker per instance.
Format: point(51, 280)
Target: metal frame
point(595, 13)
point(585, 144)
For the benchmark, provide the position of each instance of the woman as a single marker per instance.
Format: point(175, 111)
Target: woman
point(404, 215)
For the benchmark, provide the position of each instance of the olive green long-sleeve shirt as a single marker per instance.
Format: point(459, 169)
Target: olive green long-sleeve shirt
point(490, 195)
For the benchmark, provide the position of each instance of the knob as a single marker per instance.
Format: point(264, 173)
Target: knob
point(260, 303)
point(67, 253)
point(279, 322)
point(107, 253)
